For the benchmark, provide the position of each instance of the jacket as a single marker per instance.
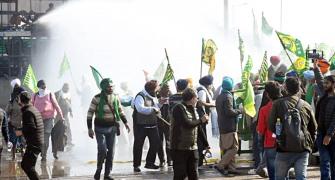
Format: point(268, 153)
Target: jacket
point(184, 128)
point(32, 127)
point(279, 110)
point(325, 108)
point(227, 114)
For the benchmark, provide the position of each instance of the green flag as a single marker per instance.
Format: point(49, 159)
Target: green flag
point(168, 75)
point(97, 76)
point(292, 44)
point(247, 95)
point(266, 28)
point(64, 66)
point(208, 54)
point(332, 62)
point(263, 72)
point(30, 80)
point(160, 71)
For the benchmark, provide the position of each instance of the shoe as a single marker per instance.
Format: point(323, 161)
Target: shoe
point(262, 173)
point(291, 174)
point(162, 164)
point(222, 171)
point(170, 163)
point(108, 178)
point(151, 166)
point(137, 169)
point(55, 156)
point(97, 175)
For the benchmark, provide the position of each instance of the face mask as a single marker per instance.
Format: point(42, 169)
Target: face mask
point(41, 92)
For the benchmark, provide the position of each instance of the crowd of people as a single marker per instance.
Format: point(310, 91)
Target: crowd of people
point(295, 117)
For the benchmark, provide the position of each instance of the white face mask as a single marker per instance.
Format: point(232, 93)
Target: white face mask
point(42, 92)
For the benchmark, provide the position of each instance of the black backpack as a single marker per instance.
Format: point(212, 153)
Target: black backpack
point(294, 132)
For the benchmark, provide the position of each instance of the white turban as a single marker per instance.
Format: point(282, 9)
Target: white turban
point(15, 82)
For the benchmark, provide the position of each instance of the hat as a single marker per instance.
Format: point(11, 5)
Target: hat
point(15, 82)
point(323, 65)
point(309, 75)
point(40, 83)
point(227, 83)
point(206, 80)
point(275, 60)
point(182, 84)
point(291, 74)
point(105, 83)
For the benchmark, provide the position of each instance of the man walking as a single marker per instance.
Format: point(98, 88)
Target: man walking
point(46, 103)
point(227, 119)
point(293, 122)
point(107, 110)
point(184, 129)
point(33, 131)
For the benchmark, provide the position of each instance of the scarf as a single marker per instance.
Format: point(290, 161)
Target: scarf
point(103, 101)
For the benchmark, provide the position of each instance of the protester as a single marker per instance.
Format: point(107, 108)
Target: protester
point(184, 136)
point(227, 119)
point(145, 116)
point(163, 127)
point(4, 132)
point(13, 111)
point(205, 96)
point(64, 100)
point(276, 66)
point(46, 103)
point(325, 116)
point(33, 131)
point(272, 91)
point(294, 140)
point(106, 107)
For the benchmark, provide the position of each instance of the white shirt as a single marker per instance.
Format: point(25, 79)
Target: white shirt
point(141, 108)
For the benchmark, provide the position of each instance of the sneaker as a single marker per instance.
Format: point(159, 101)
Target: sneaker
point(162, 164)
point(137, 169)
point(262, 173)
point(97, 175)
point(108, 178)
point(55, 156)
point(151, 166)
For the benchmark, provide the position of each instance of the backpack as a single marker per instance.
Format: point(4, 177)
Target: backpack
point(294, 132)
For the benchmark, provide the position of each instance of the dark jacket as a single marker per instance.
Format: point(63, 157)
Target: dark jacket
point(32, 127)
point(184, 128)
point(279, 110)
point(325, 108)
point(227, 114)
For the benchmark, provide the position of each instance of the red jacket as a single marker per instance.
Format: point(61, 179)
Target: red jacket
point(262, 126)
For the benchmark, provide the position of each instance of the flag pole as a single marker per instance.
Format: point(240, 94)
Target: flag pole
point(202, 53)
point(240, 48)
point(167, 58)
point(332, 56)
point(286, 52)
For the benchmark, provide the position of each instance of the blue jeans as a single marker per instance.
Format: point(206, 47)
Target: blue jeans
point(284, 161)
point(270, 154)
point(106, 144)
point(327, 158)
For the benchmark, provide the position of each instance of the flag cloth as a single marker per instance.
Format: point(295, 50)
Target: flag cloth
point(266, 28)
point(241, 47)
point(292, 44)
point(160, 71)
point(255, 34)
point(332, 62)
point(263, 72)
point(30, 80)
point(97, 76)
point(64, 66)
point(208, 54)
point(168, 75)
point(248, 96)
point(300, 65)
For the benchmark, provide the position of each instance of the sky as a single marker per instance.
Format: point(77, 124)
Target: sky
point(122, 37)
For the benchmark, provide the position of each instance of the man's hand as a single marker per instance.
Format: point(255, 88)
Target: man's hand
point(91, 133)
point(204, 119)
point(326, 140)
point(315, 63)
point(127, 127)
